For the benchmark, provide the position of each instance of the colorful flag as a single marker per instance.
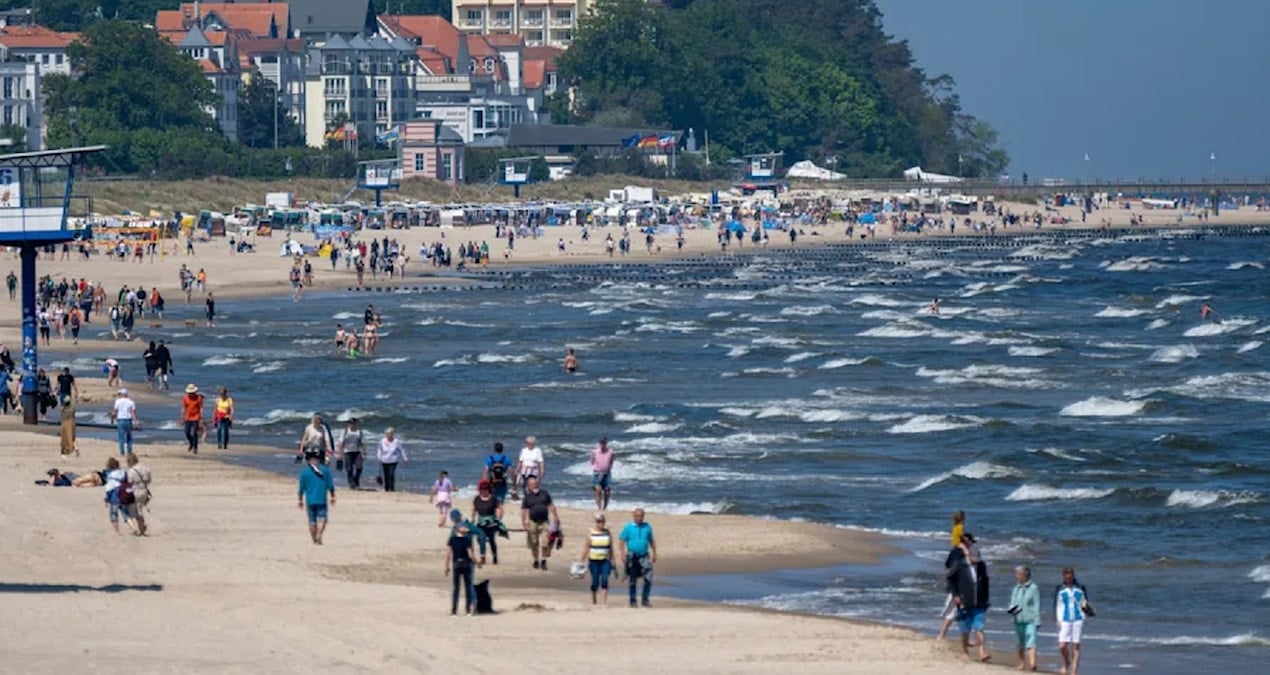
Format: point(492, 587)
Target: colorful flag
point(391, 135)
point(631, 142)
point(648, 142)
point(666, 142)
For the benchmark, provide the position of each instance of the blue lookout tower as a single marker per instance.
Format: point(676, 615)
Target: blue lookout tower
point(35, 195)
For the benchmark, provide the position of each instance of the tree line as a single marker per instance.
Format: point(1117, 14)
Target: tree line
point(814, 79)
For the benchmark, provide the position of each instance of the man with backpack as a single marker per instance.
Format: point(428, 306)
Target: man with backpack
point(497, 468)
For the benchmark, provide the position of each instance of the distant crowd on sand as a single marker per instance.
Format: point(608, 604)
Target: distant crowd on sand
point(966, 579)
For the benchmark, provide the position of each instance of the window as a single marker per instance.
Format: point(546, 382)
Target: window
point(475, 17)
point(503, 17)
point(334, 86)
point(551, 81)
point(8, 88)
point(447, 166)
point(478, 119)
point(421, 165)
point(564, 17)
point(533, 17)
point(8, 114)
point(334, 108)
point(381, 110)
point(564, 36)
point(59, 59)
point(489, 66)
point(44, 58)
point(381, 86)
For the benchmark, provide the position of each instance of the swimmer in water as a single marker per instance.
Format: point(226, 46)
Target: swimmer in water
point(340, 337)
point(1205, 311)
point(570, 361)
point(351, 340)
point(934, 306)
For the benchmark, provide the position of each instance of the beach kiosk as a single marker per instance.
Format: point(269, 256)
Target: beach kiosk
point(514, 171)
point(35, 198)
point(379, 175)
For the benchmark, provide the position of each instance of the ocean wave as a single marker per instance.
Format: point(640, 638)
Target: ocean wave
point(504, 358)
point(1241, 640)
point(1215, 328)
point(1113, 312)
point(1245, 265)
point(273, 417)
point(1098, 406)
point(1198, 499)
point(1058, 454)
point(221, 361)
point(924, 424)
point(733, 297)
point(874, 300)
point(1178, 300)
point(654, 428)
point(1003, 377)
point(738, 351)
point(652, 325)
point(777, 341)
point(1134, 264)
point(391, 359)
point(1174, 354)
point(834, 364)
point(808, 310)
point(972, 471)
point(1032, 351)
point(461, 361)
point(635, 417)
point(801, 356)
point(663, 508)
point(345, 316)
point(787, 372)
point(1041, 493)
point(1248, 346)
point(1232, 386)
point(1260, 574)
point(269, 367)
point(1158, 324)
point(718, 315)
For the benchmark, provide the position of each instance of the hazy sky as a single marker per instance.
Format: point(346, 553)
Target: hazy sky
point(1149, 88)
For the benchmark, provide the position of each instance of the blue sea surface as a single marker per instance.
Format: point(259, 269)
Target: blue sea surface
point(1067, 395)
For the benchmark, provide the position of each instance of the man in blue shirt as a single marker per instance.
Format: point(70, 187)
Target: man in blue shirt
point(315, 484)
point(639, 550)
point(497, 468)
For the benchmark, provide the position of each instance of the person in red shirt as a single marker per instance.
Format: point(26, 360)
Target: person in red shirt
point(192, 416)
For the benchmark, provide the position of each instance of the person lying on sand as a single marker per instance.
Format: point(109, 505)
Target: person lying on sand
point(70, 479)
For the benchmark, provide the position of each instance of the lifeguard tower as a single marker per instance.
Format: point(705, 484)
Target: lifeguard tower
point(379, 175)
point(35, 199)
point(761, 173)
point(515, 172)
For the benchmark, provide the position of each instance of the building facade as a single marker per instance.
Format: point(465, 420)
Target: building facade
point(429, 149)
point(21, 101)
point(217, 55)
point(538, 22)
point(366, 82)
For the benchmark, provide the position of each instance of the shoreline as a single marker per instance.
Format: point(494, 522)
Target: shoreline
point(358, 552)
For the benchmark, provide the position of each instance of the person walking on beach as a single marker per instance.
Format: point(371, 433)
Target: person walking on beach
point(1071, 606)
point(67, 390)
point(602, 474)
point(314, 439)
point(352, 450)
point(498, 467)
point(124, 416)
point(113, 478)
point(950, 606)
point(639, 554)
point(441, 496)
point(210, 310)
point(315, 485)
point(390, 454)
point(164, 357)
point(531, 464)
point(487, 511)
point(536, 510)
point(458, 557)
point(597, 553)
point(970, 577)
point(139, 478)
point(112, 373)
point(223, 418)
point(1025, 607)
point(192, 416)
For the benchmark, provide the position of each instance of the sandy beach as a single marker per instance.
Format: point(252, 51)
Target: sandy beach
point(229, 582)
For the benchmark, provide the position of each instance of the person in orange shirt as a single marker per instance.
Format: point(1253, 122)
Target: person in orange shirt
point(192, 416)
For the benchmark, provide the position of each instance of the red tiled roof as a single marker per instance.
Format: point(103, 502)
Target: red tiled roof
point(443, 37)
point(544, 53)
point(503, 39)
point(433, 60)
point(254, 17)
point(35, 37)
point(535, 74)
point(209, 68)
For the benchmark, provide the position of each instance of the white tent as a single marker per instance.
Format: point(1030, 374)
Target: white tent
point(808, 169)
point(917, 174)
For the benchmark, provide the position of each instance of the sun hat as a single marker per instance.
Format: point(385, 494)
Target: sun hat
point(598, 516)
point(122, 392)
point(191, 388)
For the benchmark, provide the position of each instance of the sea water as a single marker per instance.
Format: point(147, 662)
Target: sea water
point(1067, 396)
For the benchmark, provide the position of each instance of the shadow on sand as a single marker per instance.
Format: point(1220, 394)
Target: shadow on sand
point(75, 588)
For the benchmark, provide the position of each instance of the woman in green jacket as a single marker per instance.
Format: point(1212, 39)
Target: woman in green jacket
point(1025, 605)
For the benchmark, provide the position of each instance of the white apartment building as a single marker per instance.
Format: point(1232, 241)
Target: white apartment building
point(540, 22)
point(369, 81)
point(21, 103)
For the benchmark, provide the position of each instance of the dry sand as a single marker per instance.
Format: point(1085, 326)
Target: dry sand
point(228, 582)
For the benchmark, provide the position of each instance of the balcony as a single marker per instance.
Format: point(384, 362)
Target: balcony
point(562, 22)
point(336, 68)
point(472, 22)
point(501, 22)
point(531, 21)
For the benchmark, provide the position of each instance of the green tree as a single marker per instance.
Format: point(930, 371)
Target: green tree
point(259, 109)
point(17, 137)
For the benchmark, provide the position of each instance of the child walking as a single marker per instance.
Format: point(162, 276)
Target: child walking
point(442, 491)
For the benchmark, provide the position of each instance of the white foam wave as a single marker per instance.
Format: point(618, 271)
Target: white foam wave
point(1157, 324)
point(1242, 640)
point(924, 424)
point(834, 364)
point(738, 351)
point(654, 428)
point(461, 361)
point(634, 417)
point(972, 471)
point(1032, 351)
point(504, 358)
point(1113, 312)
point(873, 300)
point(801, 356)
point(1178, 300)
point(1175, 354)
point(1260, 574)
point(1134, 264)
point(664, 508)
point(274, 416)
point(787, 372)
point(1248, 346)
point(735, 297)
point(345, 316)
point(1004, 377)
point(221, 361)
point(270, 367)
point(391, 359)
point(1198, 499)
point(1245, 265)
point(808, 310)
point(1234, 386)
point(1214, 328)
point(1039, 493)
point(1098, 406)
